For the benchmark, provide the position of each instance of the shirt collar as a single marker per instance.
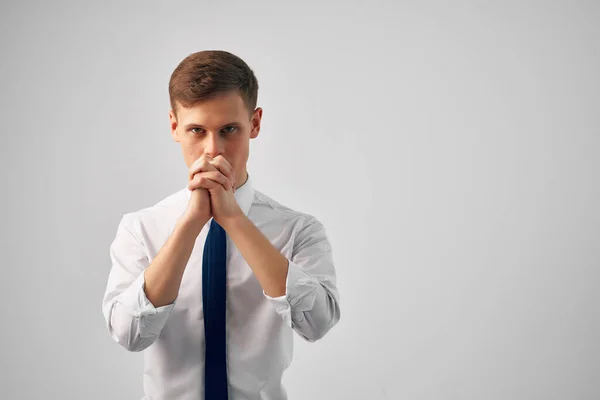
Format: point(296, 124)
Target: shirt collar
point(244, 195)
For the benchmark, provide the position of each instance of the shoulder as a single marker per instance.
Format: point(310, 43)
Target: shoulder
point(305, 230)
point(266, 205)
point(264, 202)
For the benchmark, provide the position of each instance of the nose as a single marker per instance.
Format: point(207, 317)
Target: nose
point(213, 145)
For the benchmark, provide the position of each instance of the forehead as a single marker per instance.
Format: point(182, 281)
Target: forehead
point(216, 110)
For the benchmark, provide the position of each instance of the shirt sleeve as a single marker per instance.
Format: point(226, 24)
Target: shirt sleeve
point(132, 320)
point(310, 305)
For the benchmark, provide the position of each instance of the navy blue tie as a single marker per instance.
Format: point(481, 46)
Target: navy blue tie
point(214, 279)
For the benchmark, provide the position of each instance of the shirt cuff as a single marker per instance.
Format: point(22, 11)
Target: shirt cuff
point(134, 300)
point(300, 293)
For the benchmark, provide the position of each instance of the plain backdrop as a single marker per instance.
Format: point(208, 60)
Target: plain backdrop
point(450, 148)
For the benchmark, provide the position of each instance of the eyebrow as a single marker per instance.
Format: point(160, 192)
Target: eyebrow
point(195, 125)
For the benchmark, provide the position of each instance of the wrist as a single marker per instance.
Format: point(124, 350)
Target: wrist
point(192, 222)
point(234, 221)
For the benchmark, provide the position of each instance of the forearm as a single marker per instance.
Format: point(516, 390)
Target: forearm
point(163, 276)
point(268, 264)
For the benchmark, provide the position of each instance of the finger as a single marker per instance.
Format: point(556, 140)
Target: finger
point(220, 159)
point(224, 166)
point(203, 183)
point(200, 165)
point(207, 178)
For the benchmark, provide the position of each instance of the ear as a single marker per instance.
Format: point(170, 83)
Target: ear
point(255, 122)
point(173, 125)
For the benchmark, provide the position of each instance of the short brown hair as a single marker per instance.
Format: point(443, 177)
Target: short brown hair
point(207, 73)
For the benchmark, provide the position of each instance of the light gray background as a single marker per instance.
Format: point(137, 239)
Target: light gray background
point(450, 148)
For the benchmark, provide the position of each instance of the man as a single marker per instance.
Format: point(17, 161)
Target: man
point(213, 280)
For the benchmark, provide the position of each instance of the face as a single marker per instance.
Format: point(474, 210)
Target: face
point(217, 126)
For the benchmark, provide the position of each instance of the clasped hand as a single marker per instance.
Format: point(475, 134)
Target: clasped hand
point(217, 176)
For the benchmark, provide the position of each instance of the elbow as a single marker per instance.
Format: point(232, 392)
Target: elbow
point(313, 326)
point(139, 345)
point(126, 331)
point(318, 329)
point(132, 342)
point(314, 334)
point(320, 334)
point(317, 335)
point(135, 344)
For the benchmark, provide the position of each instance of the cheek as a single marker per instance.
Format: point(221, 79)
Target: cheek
point(238, 152)
point(191, 152)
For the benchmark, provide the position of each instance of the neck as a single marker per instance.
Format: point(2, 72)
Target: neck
point(240, 182)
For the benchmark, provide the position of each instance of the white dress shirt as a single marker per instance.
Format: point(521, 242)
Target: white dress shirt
point(259, 327)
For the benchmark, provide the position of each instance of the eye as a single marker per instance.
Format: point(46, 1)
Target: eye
point(195, 131)
point(229, 129)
